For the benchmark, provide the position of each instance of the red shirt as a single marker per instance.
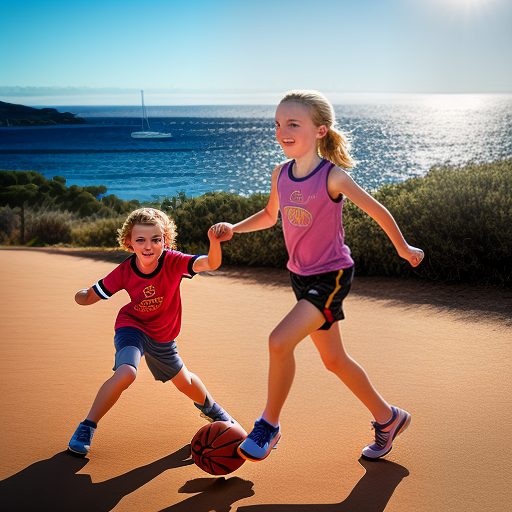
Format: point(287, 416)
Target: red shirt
point(155, 306)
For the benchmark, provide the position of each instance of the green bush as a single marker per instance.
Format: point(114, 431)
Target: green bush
point(46, 227)
point(9, 225)
point(19, 188)
point(97, 233)
point(461, 218)
point(193, 217)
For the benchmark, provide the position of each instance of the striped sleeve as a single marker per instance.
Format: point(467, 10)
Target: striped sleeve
point(101, 290)
point(112, 283)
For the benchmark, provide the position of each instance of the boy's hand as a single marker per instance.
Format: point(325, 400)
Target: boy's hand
point(413, 255)
point(223, 231)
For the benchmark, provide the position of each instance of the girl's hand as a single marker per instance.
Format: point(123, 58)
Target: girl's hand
point(222, 232)
point(413, 255)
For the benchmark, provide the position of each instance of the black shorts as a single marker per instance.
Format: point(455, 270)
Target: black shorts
point(325, 291)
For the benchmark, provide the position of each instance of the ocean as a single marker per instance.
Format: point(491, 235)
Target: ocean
point(232, 148)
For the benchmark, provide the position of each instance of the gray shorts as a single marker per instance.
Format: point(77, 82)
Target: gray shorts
point(162, 359)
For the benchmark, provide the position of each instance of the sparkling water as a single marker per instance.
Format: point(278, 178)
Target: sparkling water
point(232, 148)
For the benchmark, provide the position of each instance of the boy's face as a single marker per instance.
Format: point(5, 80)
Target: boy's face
point(147, 242)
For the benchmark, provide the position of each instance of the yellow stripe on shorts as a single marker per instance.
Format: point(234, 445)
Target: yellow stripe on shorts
point(336, 289)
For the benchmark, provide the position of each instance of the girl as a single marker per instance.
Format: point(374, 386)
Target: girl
point(309, 190)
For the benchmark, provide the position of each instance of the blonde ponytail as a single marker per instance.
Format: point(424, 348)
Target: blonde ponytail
point(334, 146)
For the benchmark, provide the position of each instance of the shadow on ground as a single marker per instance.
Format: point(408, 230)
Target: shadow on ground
point(54, 485)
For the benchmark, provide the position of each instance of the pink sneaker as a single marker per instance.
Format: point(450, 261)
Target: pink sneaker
point(385, 434)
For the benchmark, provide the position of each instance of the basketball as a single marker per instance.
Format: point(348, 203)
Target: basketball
point(214, 447)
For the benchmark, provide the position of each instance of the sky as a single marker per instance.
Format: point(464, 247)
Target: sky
point(249, 51)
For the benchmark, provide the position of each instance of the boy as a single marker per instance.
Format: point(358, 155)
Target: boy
point(150, 322)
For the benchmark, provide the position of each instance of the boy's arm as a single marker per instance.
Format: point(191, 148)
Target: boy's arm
point(86, 297)
point(341, 183)
point(214, 258)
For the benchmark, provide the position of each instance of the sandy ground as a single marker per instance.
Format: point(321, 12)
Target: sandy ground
point(444, 353)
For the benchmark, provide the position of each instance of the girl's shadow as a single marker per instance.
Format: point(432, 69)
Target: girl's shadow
point(212, 494)
point(371, 493)
point(52, 484)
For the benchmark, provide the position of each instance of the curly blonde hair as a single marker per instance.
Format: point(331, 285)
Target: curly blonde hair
point(151, 217)
point(335, 146)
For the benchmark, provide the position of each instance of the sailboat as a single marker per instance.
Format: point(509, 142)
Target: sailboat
point(148, 134)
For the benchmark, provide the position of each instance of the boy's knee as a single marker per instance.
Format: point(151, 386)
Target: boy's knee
point(183, 381)
point(126, 375)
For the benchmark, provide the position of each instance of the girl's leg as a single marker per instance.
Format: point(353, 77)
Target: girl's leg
point(303, 319)
point(330, 346)
point(110, 391)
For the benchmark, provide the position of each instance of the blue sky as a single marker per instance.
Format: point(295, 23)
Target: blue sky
point(250, 50)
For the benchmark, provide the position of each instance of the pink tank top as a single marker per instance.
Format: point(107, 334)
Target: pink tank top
point(312, 222)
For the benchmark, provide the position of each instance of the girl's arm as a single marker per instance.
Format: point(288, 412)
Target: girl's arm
point(214, 258)
point(341, 183)
point(86, 297)
point(263, 219)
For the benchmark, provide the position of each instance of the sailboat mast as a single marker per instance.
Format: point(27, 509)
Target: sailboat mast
point(144, 113)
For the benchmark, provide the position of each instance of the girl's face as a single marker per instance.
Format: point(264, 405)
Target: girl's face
point(295, 130)
point(147, 242)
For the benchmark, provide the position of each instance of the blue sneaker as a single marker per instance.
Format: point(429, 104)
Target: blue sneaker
point(385, 434)
point(259, 443)
point(80, 443)
point(214, 413)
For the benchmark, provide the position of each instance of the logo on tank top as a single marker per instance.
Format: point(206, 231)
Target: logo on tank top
point(296, 197)
point(298, 216)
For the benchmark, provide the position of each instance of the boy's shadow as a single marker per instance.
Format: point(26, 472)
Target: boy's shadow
point(371, 493)
point(52, 484)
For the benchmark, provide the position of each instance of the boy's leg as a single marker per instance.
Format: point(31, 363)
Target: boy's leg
point(192, 386)
point(110, 391)
point(297, 324)
point(106, 397)
point(165, 364)
point(129, 349)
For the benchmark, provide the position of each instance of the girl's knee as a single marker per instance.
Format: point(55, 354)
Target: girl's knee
point(278, 345)
point(125, 375)
point(335, 363)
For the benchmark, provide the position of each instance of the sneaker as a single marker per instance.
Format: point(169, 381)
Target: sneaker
point(214, 413)
point(385, 434)
point(80, 443)
point(259, 443)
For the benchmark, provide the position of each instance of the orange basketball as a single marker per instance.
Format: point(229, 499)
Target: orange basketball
point(214, 447)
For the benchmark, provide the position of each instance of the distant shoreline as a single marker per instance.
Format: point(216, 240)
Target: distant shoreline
point(12, 114)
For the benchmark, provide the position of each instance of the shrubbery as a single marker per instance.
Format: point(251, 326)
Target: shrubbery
point(462, 219)
point(47, 227)
point(97, 233)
